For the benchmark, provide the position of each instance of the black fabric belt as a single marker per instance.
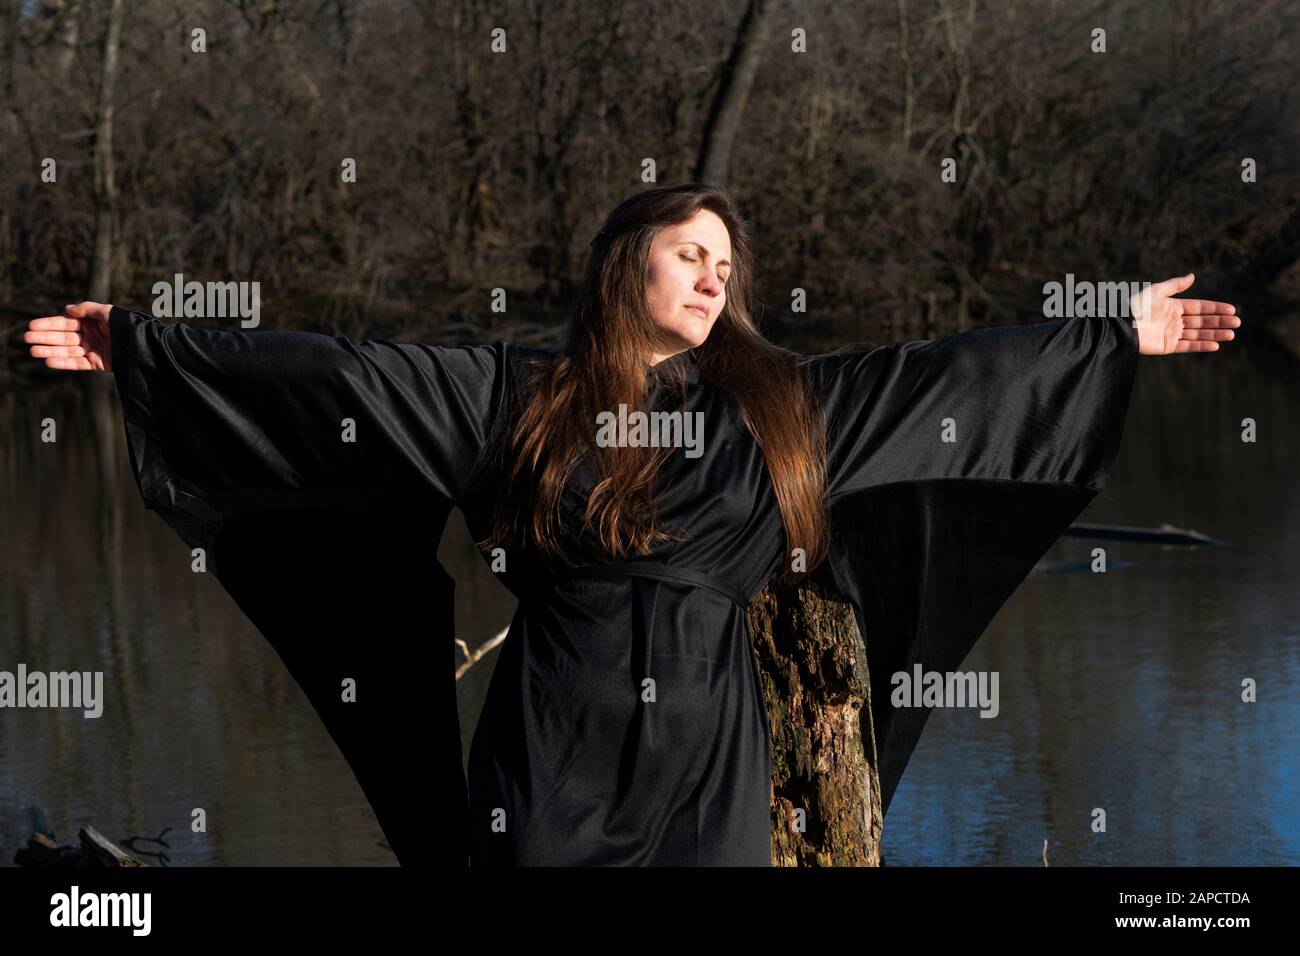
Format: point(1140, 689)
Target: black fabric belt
point(657, 570)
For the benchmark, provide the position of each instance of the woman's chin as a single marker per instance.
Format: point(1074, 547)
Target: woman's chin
point(687, 338)
point(698, 333)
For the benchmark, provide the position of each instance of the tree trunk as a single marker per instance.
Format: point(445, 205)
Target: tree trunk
point(100, 389)
point(813, 668)
point(101, 281)
point(733, 92)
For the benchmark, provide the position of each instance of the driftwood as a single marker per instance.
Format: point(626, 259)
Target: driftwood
point(825, 786)
point(93, 850)
point(1165, 534)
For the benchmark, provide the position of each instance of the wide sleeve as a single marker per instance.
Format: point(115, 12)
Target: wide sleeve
point(952, 467)
point(317, 475)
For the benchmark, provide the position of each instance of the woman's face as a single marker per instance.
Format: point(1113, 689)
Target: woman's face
point(685, 281)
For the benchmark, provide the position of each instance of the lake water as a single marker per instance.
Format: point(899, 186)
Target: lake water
point(1120, 691)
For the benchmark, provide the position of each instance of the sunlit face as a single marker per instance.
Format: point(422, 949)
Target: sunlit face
point(686, 281)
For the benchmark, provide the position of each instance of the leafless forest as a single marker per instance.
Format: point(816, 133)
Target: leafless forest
point(480, 168)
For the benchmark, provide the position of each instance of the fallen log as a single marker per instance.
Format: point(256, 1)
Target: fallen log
point(1165, 534)
point(93, 848)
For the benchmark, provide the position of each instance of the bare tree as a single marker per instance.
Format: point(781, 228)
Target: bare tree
point(101, 276)
point(737, 79)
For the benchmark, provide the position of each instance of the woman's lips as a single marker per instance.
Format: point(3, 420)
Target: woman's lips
point(698, 311)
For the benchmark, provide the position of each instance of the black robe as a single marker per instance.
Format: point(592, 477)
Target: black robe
point(624, 722)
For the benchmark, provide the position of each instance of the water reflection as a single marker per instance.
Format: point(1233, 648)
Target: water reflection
point(1123, 691)
point(198, 710)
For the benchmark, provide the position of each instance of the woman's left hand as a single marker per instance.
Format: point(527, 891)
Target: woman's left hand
point(1167, 326)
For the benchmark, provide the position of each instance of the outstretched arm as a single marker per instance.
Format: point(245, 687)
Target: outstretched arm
point(954, 464)
point(210, 412)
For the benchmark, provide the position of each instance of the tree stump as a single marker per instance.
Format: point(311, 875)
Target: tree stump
point(826, 807)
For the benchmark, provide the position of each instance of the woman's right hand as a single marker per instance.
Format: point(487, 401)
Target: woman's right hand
point(78, 340)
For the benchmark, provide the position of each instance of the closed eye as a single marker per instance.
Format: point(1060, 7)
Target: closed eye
point(689, 258)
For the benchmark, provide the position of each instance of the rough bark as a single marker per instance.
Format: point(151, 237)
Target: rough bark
point(813, 668)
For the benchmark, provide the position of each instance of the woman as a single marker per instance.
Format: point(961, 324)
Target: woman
point(625, 722)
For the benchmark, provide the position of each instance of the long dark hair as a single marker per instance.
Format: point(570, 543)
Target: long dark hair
point(603, 365)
